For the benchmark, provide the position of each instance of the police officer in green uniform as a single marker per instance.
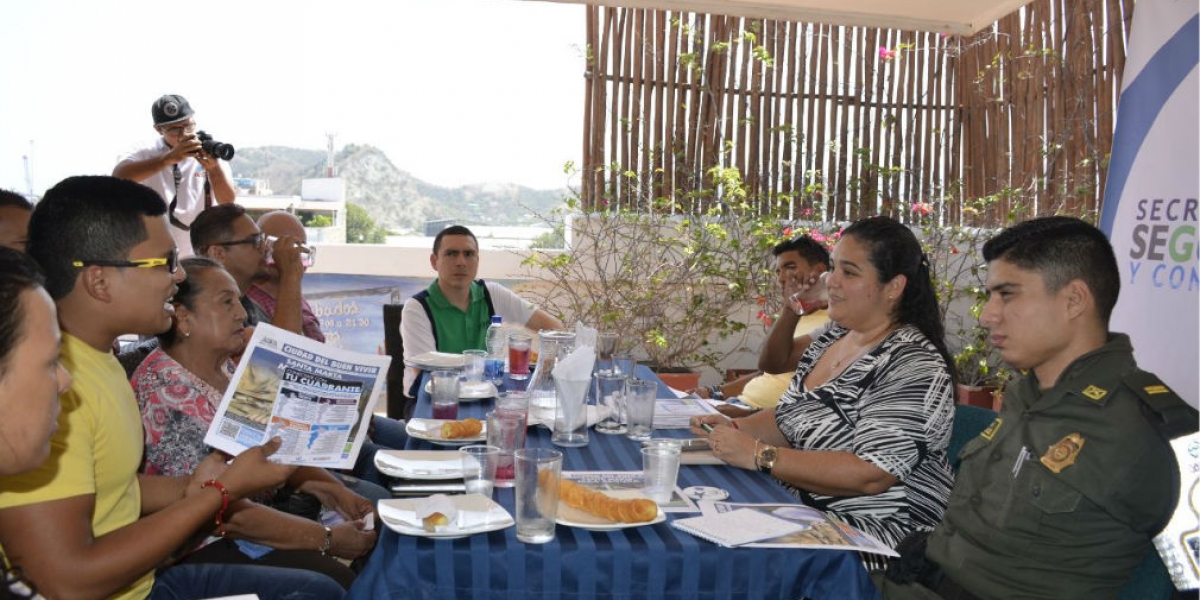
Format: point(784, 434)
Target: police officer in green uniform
point(1061, 496)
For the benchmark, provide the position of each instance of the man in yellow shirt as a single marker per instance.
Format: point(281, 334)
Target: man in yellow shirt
point(798, 260)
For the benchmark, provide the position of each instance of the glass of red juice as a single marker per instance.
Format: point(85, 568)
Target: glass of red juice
point(506, 430)
point(519, 347)
point(443, 394)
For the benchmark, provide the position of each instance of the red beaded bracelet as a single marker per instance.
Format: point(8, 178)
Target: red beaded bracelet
point(220, 520)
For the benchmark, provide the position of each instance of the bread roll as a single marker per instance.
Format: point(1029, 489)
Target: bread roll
point(432, 522)
point(461, 429)
point(619, 510)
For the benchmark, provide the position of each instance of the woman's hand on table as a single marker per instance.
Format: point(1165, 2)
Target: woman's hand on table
point(734, 446)
point(728, 443)
point(698, 424)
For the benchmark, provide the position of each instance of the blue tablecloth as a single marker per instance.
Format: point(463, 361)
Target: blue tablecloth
point(656, 561)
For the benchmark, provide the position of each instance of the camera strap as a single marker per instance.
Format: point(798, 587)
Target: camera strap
point(175, 199)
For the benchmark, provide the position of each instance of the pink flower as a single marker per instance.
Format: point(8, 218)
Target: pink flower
point(806, 212)
point(922, 208)
point(817, 236)
point(885, 54)
point(787, 232)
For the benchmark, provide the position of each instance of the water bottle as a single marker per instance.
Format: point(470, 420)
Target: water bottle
point(493, 366)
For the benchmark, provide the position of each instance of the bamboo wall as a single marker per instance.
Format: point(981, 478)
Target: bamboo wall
point(842, 122)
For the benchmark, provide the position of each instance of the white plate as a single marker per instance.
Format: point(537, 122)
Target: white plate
point(430, 430)
point(469, 392)
point(435, 360)
point(574, 517)
point(399, 515)
point(433, 465)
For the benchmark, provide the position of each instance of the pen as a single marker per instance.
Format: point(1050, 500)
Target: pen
point(706, 427)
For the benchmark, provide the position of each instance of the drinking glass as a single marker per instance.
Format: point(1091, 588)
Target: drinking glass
point(479, 468)
point(606, 345)
point(660, 469)
point(639, 407)
point(610, 401)
point(443, 394)
point(506, 430)
point(625, 364)
point(570, 412)
point(519, 347)
point(472, 373)
point(538, 470)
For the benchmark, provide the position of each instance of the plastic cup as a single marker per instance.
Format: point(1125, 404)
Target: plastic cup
point(443, 394)
point(639, 408)
point(473, 361)
point(538, 470)
point(506, 431)
point(519, 347)
point(479, 468)
point(570, 413)
point(660, 469)
point(610, 401)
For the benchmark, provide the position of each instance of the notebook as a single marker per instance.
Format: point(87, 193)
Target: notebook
point(736, 527)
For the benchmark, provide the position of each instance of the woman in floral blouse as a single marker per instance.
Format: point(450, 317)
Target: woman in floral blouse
point(179, 387)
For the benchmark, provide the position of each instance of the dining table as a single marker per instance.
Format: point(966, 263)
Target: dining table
point(654, 561)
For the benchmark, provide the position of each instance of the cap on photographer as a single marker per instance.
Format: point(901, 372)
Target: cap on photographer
point(184, 169)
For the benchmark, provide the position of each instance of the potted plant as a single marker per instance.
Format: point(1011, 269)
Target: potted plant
point(679, 286)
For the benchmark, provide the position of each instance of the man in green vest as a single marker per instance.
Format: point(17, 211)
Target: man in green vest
point(454, 312)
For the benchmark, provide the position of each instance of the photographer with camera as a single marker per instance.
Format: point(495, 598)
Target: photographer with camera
point(183, 166)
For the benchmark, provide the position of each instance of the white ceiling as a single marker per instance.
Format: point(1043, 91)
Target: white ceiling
point(961, 17)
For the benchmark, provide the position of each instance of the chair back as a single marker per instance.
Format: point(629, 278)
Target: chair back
point(969, 422)
point(399, 406)
point(1149, 581)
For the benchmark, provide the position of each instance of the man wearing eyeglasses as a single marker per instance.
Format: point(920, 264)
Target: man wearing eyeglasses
point(188, 178)
point(226, 234)
point(264, 292)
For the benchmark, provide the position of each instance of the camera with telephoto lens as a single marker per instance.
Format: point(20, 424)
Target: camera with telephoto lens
point(220, 150)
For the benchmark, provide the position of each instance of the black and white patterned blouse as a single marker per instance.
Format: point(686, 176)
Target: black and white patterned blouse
point(893, 408)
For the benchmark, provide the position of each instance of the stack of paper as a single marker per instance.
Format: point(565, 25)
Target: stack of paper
point(674, 413)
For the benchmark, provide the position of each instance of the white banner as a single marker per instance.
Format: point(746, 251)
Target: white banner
point(1150, 203)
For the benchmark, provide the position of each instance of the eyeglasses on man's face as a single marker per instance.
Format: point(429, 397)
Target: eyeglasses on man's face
point(182, 128)
point(170, 261)
point(258, 240)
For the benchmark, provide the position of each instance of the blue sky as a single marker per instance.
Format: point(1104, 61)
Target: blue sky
point(454, 91)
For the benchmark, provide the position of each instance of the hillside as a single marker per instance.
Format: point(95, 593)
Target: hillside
point(393, 197)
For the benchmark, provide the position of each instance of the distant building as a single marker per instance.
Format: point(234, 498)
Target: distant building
point(321, 205)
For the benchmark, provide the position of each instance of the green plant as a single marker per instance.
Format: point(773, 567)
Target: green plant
point(959, 278)
point(361, 228)
point(683, 285)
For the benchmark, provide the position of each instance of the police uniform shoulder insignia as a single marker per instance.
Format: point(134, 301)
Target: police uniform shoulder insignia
point(1095, 393)
point(1063, 453)
point(991, 430)
point(1168, 413)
